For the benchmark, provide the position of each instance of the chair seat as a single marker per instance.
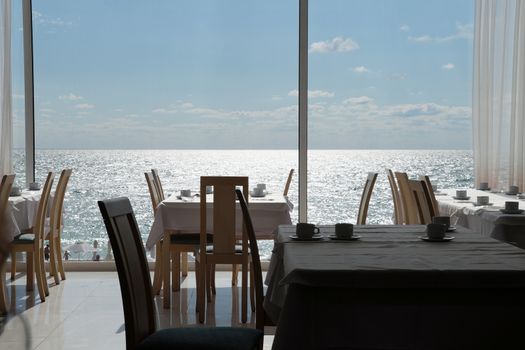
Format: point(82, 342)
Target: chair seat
point(24, 238)
point(189, 238)
point(199, 338)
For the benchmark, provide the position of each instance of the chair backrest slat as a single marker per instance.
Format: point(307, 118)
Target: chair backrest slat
point(432, 201)
point(224, 212)
point(158, 184)
point(58, 200)
point(398, 207)
point(256, 262)
point(288, 182)
point(365, 198)
point(132, 268)
point(410, 208)
point(418, 190)
point(153, 192)
point(41, 213)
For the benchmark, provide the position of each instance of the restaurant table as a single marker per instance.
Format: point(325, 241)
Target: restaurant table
point(488, 219)
point(392, 290)
point(20, 213)
point(182, 215)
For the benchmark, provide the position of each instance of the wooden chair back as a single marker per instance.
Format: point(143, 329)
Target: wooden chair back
point(132, 269)
point(365, 198)
point(288, 182)
point(158, 184)
point(431, 197)
point(153, 192)
point(41, 213)
point(398, 207)
point(224, 211)
point(409, 205)
point(5, 190)
point(260, 315)
point(423, 210)
point(58, 200)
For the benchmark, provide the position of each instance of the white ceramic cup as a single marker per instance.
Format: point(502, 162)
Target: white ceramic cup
point(34, 186)
point(483, 185)
point(482, 200)
point(258, 191)
point(512, 206)
point(15, 191)
point(185, 193)
point(436, 231)
point(513, 190)
point(461, 193)
point(261, 186)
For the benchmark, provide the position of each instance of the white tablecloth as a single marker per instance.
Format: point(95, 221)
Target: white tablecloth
point(488, 220)
point(183, 215)
point(20, 214)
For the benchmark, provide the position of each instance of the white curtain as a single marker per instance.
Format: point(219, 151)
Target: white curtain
point(499, 93)
point(6, 123)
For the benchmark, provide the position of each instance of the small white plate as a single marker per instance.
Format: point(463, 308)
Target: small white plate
point(461, 198)
point(252, 194)
point(482, 205)
point(451, 229)
point(352, 238)
point(511, 194)
point(315, 237)
point(504, 211)
point(444, 239)
point(483, 189)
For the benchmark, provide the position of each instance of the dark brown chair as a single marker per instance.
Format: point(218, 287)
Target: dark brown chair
point(137, 295)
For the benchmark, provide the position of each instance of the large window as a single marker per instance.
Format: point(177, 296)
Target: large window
point(390, 87)
point(188, 87)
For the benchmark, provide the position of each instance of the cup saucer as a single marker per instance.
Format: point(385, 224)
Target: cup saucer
point(461, 198)
point(483, 189)
point(351, 238)
point(505, 211)
point(258, 195)
point(511, 194)
point(315, 237)
point(444, 239)
point(476, 204)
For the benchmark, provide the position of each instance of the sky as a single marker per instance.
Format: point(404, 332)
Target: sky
point(211, 74)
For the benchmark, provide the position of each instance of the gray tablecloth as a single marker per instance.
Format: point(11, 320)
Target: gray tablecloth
point(309, 281)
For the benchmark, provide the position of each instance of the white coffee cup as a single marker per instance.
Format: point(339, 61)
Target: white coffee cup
point(482, 200)
point(261, 186)
point(15, 191)
point(461, 193)
point(185, 193)
point(34, 186)
point(512, 206)
point(257, 191)
point(483, 185)
point(513, 190)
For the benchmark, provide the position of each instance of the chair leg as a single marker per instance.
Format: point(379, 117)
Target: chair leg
point(244, 293)
point(184, 264)
point(235, 271)
point(30, 268)
point(39, 264)
point(166, 290)
point(58, 247)
point(38, 274)
point(201, 292)
point(157, 274)
point(53, 260)
point(175, 271)
point(3, 295)
point(212, 277)
point(252, 289)
point(13, 265)
point(208, 283)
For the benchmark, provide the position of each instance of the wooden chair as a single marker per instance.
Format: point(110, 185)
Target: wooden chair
point(421, 197)
point(261, 319)
point(365, 198)
point(224, 249)
point(431, 197)
point(288, 182)
point(154, 196)
point(409, 205)
point(55, 227)
point(5, 189)
point(137, 296)
point(32, 242)
point(398, 207)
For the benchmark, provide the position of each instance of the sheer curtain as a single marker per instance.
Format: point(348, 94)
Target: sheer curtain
point(6, 123)
point(499, 93)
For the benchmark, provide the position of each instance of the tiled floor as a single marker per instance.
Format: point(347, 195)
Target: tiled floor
point(85, 312)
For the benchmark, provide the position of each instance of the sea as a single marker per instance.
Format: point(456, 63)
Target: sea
point(335, 182)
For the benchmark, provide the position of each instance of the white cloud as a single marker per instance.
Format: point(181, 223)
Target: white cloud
point(448, 66)
point(44, 20)
point(337, 44)
point(84, 106)
point(360, 69)
point(404, 28)
point(70, 97)
point(463, 31)
point(313, 93)
point(358, 100)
